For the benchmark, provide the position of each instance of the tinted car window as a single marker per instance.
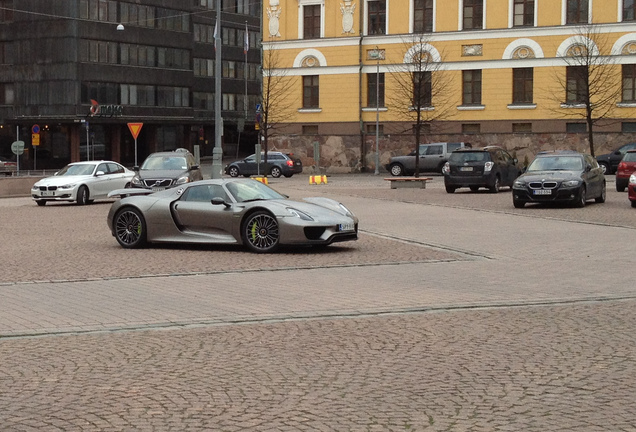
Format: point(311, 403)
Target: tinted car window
point(630, 157)
point(468, 156)
point(435, 150)
point(453, 146)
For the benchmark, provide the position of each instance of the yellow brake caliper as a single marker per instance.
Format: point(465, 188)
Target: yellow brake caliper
point(254, 231)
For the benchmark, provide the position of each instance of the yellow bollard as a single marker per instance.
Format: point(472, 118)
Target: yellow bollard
point(318, 179)
point(261, 179)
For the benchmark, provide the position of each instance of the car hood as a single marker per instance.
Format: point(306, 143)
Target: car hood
point(145, 174)
point(550, 175)
point(62, 180)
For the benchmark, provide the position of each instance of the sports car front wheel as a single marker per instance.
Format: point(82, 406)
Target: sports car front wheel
point(260, 232)
point(130, 228)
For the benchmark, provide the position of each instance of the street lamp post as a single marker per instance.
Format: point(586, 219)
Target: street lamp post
point(217, 152)
point(377, 115)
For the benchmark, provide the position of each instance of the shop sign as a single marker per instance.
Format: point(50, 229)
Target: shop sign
point(98, 110)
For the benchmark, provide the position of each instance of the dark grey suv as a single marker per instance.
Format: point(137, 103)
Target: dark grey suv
point(278, 163)
point(491, 167)
point(164, 170)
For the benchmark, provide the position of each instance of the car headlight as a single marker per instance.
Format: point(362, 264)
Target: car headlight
point(299, 214)
point(488, 166)
point(35, 187)
point(571, 183)
point(182, 180)
point(66, 186)
point(519, 184)
point(136, 181)
point(632, 179)
point(346, 210)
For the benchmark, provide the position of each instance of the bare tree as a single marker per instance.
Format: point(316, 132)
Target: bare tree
point(591, 84)
point(276, 103)
point(423, 89)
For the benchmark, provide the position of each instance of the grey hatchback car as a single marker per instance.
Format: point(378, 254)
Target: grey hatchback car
point(491, 167)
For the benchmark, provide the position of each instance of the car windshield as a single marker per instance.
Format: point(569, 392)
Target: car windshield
point(465, 156)
point(165, 163)
point(72, 170)
point(629, 157)
point(252, 190)
point(557, 163)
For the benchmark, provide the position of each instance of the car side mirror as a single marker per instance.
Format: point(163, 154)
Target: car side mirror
point(136, 168)
point(588, 168)
point(220, 201)
point(617, 152)
point(194, 167)
point(99, 173)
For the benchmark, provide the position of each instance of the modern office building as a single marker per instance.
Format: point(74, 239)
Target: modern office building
point(505, 72)
point(79, 71)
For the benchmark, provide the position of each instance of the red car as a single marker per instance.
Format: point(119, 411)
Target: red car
point(626, 168)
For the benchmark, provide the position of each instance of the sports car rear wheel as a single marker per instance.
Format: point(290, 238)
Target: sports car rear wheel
point(260, 232)
point(130, 228)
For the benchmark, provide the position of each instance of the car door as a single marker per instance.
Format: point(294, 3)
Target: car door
point(508, 167)
point(117, 176)
point(433, 158)
point(99, 185)
point(195, 214)
point(594, 177)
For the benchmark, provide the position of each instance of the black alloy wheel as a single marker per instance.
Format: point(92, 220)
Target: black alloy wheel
point(496, 185)
point(582, 198)
point(130, 228)
point(261, 232)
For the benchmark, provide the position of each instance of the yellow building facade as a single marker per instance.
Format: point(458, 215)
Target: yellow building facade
point(503, 72)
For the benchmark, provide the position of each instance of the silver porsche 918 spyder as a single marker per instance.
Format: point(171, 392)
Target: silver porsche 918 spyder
point(227, 211)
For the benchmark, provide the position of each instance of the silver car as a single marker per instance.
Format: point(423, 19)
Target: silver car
point(432, 158)
point(82, 182)
point(228, 211)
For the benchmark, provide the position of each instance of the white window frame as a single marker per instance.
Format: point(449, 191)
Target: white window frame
point(564, 11)
point(460, 18)
point(511, 13)
point(412, 15)
point(301, 16)
point(366, 17)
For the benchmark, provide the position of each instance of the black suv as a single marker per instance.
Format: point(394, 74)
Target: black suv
point(560, 176)
point(609, 162)
point(164, 170)
point(278, 164)
point(491, 167)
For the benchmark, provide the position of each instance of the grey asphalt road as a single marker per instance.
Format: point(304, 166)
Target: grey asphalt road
point(451, 312)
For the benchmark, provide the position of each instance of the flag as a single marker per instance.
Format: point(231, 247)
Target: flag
point(216, 32)
point(246, 41)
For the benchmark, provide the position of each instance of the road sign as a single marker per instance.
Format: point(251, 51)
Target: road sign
point(135, 128)
point(35, 139)
point(259, 108)
point(35, 129)
point(17, 147)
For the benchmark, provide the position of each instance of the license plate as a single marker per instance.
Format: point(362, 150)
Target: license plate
point(48, 193)
point(465, 168)
point(346, 227)
point(158, 189)
point(542, 192)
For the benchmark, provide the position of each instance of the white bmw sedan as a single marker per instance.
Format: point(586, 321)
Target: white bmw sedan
point(82, 182)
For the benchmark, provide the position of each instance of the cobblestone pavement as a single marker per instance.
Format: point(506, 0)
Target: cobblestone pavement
point(452, 312)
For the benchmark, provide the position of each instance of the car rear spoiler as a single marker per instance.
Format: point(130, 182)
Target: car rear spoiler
point(123, 193)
